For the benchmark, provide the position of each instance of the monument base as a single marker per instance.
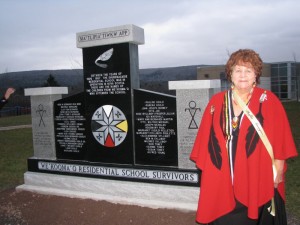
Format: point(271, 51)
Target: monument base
point(122, 192)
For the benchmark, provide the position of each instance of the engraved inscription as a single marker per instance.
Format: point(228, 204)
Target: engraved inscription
point(107, 84)
point(153, 120)
point(70, 129)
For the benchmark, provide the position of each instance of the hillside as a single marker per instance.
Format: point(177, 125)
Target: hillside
point(155, 79)
point(36, 78)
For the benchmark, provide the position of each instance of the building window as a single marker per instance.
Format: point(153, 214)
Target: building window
point(283, 80)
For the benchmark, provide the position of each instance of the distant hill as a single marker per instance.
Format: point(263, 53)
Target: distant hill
point(169, 73)
point(36, 78)
point(154, 79)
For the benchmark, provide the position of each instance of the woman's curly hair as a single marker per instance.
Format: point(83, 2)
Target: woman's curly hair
point(244, 57)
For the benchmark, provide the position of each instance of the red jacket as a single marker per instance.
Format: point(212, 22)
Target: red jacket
point(253, 183)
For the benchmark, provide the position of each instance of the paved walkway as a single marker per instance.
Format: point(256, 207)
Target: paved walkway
point(15, 127)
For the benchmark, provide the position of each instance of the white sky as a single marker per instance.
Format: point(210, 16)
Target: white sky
point(41, 34)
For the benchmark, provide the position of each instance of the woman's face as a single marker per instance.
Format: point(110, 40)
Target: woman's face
point(243, 77)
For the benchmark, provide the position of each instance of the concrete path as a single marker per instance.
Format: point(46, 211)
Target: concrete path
point(15, 127)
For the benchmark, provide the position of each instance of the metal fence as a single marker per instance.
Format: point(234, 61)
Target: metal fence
point(14, 111)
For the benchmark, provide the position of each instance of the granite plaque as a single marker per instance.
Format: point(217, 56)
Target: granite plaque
point(111, 35)
point(70, 127)
point(43, 138)
point(190, 106)
point(155, 129)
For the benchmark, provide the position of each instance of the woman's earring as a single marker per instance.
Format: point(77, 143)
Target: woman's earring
point(254, 84)
point(232, 86)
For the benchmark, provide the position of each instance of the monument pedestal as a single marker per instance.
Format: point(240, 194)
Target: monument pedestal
point(192, 96)
point(123, 192)
point(42, 119)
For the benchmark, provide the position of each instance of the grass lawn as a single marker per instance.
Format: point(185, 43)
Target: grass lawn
point(15, 120)
point(293, 173)
point(15, 148)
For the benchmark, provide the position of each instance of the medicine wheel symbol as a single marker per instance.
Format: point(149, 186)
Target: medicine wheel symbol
point(109, 126)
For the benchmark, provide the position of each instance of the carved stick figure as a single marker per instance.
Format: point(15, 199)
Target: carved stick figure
point(192, 109)
point(41, 112)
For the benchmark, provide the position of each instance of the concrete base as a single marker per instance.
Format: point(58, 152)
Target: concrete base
point(123, 192)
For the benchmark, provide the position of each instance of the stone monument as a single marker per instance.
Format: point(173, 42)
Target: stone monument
point(116, 141)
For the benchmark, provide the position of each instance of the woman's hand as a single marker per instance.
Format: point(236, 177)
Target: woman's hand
point(279, 164)
point(8, 92)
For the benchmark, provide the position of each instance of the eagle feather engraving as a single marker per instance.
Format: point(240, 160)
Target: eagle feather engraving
point(103, 58)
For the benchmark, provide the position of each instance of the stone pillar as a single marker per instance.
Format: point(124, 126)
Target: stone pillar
point(111, 73)
point(42, 119)
point(192, 97)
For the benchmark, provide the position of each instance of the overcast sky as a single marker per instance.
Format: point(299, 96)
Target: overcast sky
point(38, 35)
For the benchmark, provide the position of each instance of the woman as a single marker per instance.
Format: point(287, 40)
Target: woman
point(237, 179)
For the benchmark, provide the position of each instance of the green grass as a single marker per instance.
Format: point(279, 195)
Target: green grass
point(15, 120)
point(293, 186)
point(16, 147)
point(293, 173)
point(293, 113)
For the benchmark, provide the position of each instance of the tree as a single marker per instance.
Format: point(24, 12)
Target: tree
point(51, 82)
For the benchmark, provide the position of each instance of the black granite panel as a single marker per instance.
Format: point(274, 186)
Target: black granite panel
point(155, 129)
point(70, 127)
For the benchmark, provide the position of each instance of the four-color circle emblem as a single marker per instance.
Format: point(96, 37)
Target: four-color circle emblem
point(109, 126)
